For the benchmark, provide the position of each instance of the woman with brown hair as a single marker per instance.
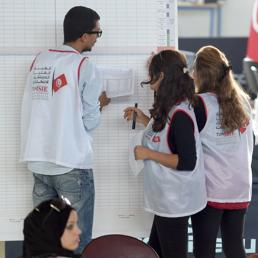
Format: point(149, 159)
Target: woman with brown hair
point(223, 116)
point(174, 185)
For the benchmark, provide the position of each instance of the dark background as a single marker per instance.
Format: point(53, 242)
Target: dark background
point(234, 48)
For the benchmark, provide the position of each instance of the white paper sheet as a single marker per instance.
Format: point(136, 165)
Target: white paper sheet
point(135, 165)
point(117, 82)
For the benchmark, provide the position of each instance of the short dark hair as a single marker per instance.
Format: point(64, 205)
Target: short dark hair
point(78, 21)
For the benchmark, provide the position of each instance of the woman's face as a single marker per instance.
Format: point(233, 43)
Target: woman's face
point(155, 86)
point(71, 237)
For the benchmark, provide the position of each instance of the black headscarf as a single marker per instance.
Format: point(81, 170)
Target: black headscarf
point(43, 228)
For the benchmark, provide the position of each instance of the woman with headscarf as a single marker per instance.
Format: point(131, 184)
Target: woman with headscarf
point(51, 230)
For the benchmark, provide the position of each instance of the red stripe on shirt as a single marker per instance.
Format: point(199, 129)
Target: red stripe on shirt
point(63, 51)
point(33, 62)
point(79, 67)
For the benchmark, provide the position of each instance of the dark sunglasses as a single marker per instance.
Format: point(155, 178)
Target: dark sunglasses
point(99, 33)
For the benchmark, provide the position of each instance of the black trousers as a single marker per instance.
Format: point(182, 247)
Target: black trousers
point(168, 237)
point(206, 225)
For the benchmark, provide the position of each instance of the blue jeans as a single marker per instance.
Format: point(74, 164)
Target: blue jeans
point(78, 187)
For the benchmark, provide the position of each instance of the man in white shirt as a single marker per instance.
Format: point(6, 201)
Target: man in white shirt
point(61, 105)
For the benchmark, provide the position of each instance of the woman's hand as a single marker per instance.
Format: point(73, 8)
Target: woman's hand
point(166, 159)
point(141, 153)
point(140, 116)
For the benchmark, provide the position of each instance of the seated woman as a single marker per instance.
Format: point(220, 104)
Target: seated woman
point(51, 230)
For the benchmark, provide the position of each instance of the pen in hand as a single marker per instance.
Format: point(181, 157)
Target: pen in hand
point(134, 116)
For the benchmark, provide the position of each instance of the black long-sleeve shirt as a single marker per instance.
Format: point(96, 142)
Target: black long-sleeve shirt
point(182, 141)
point(181, 136)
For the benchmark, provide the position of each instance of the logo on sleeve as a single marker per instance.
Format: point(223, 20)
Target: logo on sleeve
point(243, 128)
point(156, 138)
point(59, 82)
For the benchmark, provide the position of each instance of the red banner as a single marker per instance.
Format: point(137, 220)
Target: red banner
point(252, 47)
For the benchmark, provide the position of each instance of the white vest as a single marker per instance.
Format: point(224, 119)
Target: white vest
point(227, 158)
point(170, 192)
point(52, 128)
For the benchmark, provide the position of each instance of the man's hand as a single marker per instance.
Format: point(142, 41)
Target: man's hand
point(103, 100)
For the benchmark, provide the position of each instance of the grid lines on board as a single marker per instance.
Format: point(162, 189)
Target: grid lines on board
point(131, 28)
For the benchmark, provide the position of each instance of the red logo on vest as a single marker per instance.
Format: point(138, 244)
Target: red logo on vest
point(59, 82)
point(156, 139)
point(243, 128)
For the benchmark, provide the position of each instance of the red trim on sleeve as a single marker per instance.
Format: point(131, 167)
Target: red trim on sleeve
point(229, 205)
point(32, 64)
point(64, 51)
point(79, 67)
point(171, 121)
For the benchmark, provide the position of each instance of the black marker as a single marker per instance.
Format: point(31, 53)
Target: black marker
point(134, 116)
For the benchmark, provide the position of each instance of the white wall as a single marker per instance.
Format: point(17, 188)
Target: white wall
point(235, 20)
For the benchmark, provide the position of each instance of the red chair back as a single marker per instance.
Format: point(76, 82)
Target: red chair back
point(118, 246)
point(253, 256)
